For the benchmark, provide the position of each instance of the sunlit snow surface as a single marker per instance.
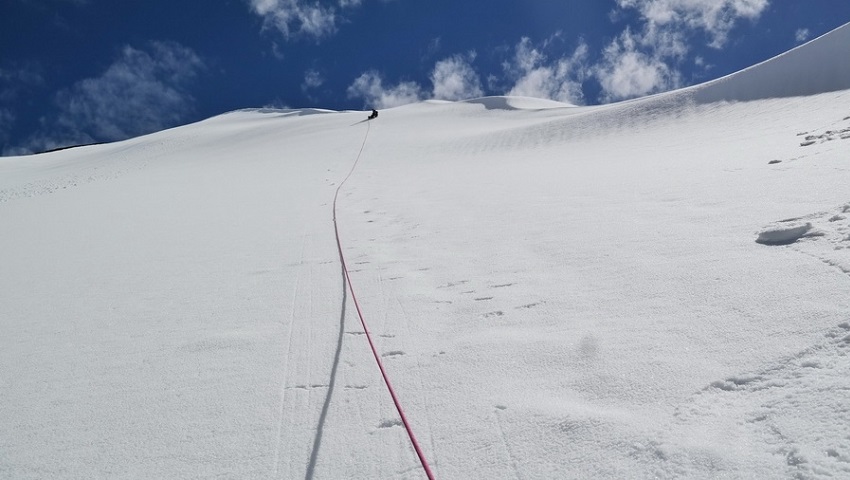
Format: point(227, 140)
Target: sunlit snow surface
point(657, 288)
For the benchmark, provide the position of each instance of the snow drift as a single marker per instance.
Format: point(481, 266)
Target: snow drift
point(557, 292)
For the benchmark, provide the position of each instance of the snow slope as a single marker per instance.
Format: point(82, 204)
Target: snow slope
point(651, 289)
point(816, 67)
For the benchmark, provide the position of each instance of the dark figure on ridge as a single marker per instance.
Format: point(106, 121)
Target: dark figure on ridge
point(374, 114)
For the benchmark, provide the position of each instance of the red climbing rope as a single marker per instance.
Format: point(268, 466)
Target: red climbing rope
point(398, 408)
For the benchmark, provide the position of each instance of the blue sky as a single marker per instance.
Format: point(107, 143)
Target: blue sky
point(82, 71)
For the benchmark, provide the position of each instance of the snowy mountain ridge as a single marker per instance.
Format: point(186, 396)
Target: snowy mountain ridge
point(813, 68)
point(650, 289)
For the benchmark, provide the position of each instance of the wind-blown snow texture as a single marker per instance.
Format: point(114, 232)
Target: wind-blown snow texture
point(651, 289)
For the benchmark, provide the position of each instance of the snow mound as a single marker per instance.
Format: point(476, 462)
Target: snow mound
point(517, 103)
point(817, 67)
point(827, 234)
point(288, 112)
point(828, 238)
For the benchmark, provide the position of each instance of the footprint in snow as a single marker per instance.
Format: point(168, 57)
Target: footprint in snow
point(390, 423)
point(735, 383)
point(834, 133)
point(528, 305)
point(828, 136)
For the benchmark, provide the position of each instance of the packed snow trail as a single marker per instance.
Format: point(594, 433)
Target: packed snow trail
point(320, 428)
point(347, 280)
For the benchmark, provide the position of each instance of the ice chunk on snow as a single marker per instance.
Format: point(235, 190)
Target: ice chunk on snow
point(785, 235)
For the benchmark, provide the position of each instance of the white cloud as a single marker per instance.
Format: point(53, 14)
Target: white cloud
point(535, 76)
point(699, 61)
point(141, 92)
point(802, 34)
point(455, 79)
point(715, 17)
point(370, 87)
point(312, 79)
point(627, 72)
point(293, 17)
point(646, 60)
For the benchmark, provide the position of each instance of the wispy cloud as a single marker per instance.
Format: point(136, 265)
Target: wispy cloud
point(536, 76)
point(646, 60)
point(529, 72)
point(714, 17)
point(296, 17)
point(452, 78)
point(302, 18)
point(370, 87)
point(312, 79)
point(802, 34)
point(141, 92)
point(626, 71)
point(455, 79)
